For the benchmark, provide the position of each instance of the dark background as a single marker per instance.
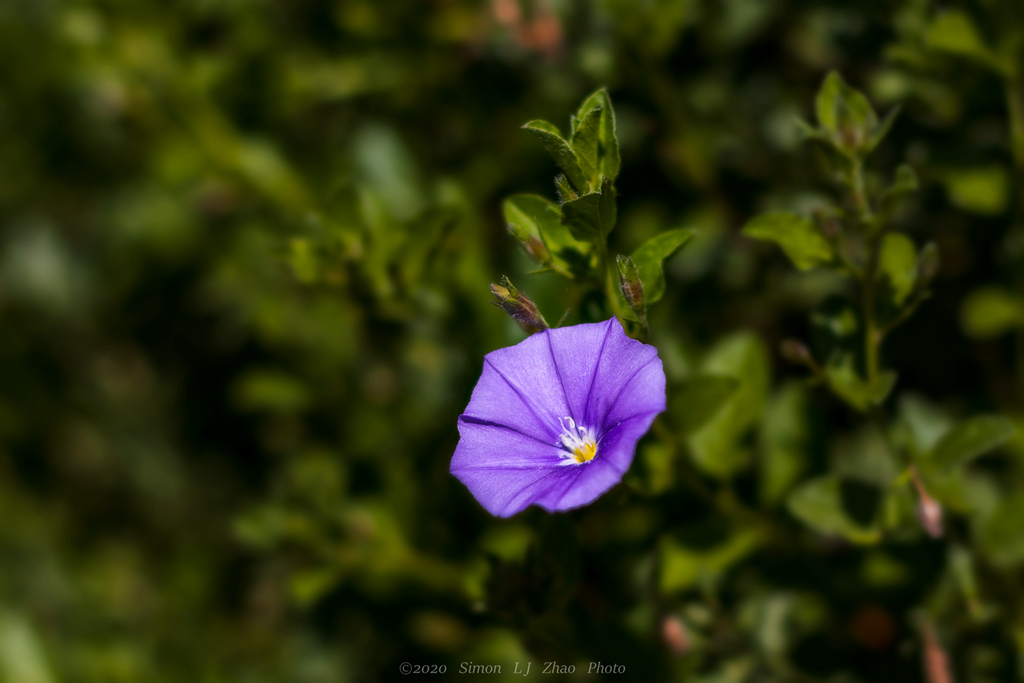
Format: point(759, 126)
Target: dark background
point(233, 344)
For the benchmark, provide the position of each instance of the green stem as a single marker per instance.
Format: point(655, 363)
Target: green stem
point(874, 241)
point(611, 279)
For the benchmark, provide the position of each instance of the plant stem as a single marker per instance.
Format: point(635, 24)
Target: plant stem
point(610, 280)
point(874, 240)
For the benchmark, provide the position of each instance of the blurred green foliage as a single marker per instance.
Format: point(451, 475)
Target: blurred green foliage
point(245, 250)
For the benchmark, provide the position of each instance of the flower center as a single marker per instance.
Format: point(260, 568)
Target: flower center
point(579, 441)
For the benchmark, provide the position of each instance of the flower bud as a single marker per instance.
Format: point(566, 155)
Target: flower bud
point(929, 512)
point(518, 305)
point(531, 244)
point(795, 352)
point(566, 193)
point(936, 661)
point(673, 632)
point(828, 225)
point(631, 286)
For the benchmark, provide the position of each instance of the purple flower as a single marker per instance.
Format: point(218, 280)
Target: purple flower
point(554, 420)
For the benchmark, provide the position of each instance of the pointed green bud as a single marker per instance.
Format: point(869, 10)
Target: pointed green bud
point(566, 193)
point(531, 244)
point(518, 305)
point(632, 287)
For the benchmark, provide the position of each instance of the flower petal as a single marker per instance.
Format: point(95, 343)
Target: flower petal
point(577, 352)
point(505, 470)
point(618, 446)
point(529, 369)
point(593, 479)
point(484, 444)
point(638, 393)
point(498, 402)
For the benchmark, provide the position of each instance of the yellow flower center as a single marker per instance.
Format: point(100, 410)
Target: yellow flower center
point(579, 441)
point(585, 452)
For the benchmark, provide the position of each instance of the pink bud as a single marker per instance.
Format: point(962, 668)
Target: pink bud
point(673, 632)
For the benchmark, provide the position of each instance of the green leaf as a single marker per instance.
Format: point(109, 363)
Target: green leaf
point(540, 217)
point(608, 148)
point(698, 399)
point(989, 312)
point(683, 567)
point(303, 260)
point(264, 389)
point(649, 257)
point(984, 190)
point(562, 152)
point(968, 440)
point(903, 184)
point(818, 503)
point(927, 424)
point(846, 114)
point(882, 129)
point(1001, 534)
point(797, 236)
point(586, 143)
point(717, 446)
point(898, 264)
point(592, 216)
point(954, 31)
point(848, 385)
point(427, 230)
point(783, 440)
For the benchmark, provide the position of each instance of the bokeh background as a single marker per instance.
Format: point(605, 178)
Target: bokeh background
point(245, 249)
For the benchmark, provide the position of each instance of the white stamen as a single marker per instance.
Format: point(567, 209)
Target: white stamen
point(579, 442)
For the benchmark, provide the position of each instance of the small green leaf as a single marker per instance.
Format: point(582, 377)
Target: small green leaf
point(989, 312)
point(264, 389)
point(818, 503)
point(848, 385)
point(984, 190)
point(683, 567)
point(698, 399)
point(649, 257)
point(303, 260)
point(954, 31)
point(882, 129)
point(717, 447)
point(783, 439)
point(903, 184)
point(898, 264)
point(429, 228)
point(927, 424)
point(561, 150)
point(608, 150)
point(592, 216)
point(1001, 533)
point(540, 217)
point(797, 236)
point(845, 114)
point(586, 143)
point(968, 440)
